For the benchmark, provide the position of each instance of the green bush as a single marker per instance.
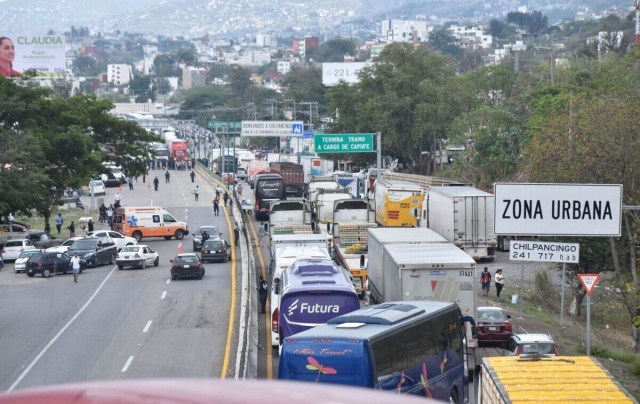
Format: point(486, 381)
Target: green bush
point(635, 368)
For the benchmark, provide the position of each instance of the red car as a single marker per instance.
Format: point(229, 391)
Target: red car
point(493, 325)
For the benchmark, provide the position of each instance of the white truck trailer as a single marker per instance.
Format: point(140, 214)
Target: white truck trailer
point(464, 216)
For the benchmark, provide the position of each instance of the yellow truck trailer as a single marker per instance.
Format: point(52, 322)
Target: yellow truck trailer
point(560, 379)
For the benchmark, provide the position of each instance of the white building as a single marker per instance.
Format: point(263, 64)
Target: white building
point(471, 37)
point(266, 41)
point(119, 74)
point(405, 31)
point(251, 57)
point(283, 66)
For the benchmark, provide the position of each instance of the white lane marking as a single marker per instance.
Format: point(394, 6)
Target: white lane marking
point(164, 294)
point(146, 327)
point(168, 281)
point(126, 365)
point(46, 348)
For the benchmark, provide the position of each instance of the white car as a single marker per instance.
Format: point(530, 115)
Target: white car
point(98, 187)
point(13, 248)
point(21, 262)
point(120, 239)
point(137, 256)
point(62, 248)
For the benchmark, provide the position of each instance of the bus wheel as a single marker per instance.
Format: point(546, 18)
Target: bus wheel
point(137, 235)
point(453, 397)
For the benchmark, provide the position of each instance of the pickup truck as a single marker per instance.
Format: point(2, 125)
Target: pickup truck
point(95, 250)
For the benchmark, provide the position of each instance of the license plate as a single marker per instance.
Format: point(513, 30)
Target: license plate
point(493, 328)
point(30, 271)
point(186, 266)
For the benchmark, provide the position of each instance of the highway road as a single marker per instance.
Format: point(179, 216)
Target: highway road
point(124, 324)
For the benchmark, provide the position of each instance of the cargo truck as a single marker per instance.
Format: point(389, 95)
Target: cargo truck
point(351, 220)
point(289, 217)
point(314, 166)
point(316, 184)
point(397, 203)
point(256, 167)
point(568, 379)
point(292, 174)
point(464, 216)
point(419, 264)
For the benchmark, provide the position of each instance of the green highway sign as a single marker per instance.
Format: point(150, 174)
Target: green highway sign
point(344, 143)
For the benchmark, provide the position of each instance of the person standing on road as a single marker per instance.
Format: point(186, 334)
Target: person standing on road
point(110, 215)
point(216, 207)
point(239, 191)
point(166, 177)
point(59, 221)
point(155, 183)
point(90, 225)
point(75, 265)
point(485, 280)
point(72, 230)
point(263, 287)
point(499, 281)
point(205, 237)
point(193, 176)
point(236, 233)
point(261, 234)
point(130, 180)
point(196, 192)
point(116, 199)
point(225, 197)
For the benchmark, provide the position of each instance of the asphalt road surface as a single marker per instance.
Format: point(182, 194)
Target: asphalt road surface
point(124, 324)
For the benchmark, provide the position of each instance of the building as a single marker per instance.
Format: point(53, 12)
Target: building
point(283, 67)
point(119, 75)
point(302, 45)
point(471, 37)
point(266, 41)
point(405, 31)
point(193, 77)
point(251, 57)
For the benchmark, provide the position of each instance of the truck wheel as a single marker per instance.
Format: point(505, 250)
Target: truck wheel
point(453, 397)
point(179, 235)
point(137, 235)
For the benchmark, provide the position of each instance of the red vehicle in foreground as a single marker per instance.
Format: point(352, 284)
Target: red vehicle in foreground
point(493, 325)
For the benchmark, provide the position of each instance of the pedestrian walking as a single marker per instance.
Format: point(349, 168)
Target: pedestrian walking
point(59, 221)
point(155, 183)
point(236, 233)
point(193, 176)
point(485, 280)
point(90, 225)
point(72, 230)
point(239, 191)
point(75, 267)
point(261, 235)
point(196, 192)
point(216, 207)
point(103, 213)
point(499, 281)
point(117, 198)
point(225, 197)
point(167, 176)
point(205, 237)
point(263, 287)
point(110, 215)
point(130, 180)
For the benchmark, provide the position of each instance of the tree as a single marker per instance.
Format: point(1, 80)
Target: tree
point(163, 86)
point(140, 87)
point(305, 84)
point(443, 41)
point(239, 81)
point(332, 51)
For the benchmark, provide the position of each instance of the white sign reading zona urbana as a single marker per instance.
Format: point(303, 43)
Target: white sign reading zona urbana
point(520, 250)
point(557, 209)
point(272, 128)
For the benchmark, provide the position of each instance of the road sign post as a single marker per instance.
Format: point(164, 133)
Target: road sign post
point(540, 251)
point(589, 282)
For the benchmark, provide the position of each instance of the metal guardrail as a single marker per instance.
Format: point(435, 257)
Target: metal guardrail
point(247, 353)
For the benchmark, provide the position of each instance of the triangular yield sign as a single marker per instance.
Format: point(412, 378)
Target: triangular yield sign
point(433, 285)
point(589, 281)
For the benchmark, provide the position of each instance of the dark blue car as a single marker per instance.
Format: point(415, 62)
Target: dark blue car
point(51, 263)
point(95, 250)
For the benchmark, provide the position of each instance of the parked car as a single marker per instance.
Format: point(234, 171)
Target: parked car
point(64, 246)
point(216, 250)
point(241, 174)
point(137, 256)
point(186, 265)
point(114, 176)
point(12, 248)
point(211, 230)
point(98, 187)
point(531, 344)
point(120, 239)
point(493, 325)
point(20, 263)
point(9, 231)
point(18, 222)
point(96, 251)
point(51, 263)
point(42, 240)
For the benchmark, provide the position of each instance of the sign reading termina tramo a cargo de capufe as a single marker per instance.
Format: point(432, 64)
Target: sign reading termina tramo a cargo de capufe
point(557, 209)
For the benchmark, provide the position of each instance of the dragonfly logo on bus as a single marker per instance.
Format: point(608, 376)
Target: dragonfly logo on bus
point(313, 308)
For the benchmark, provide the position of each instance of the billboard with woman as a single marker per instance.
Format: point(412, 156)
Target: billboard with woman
point(44, 55)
